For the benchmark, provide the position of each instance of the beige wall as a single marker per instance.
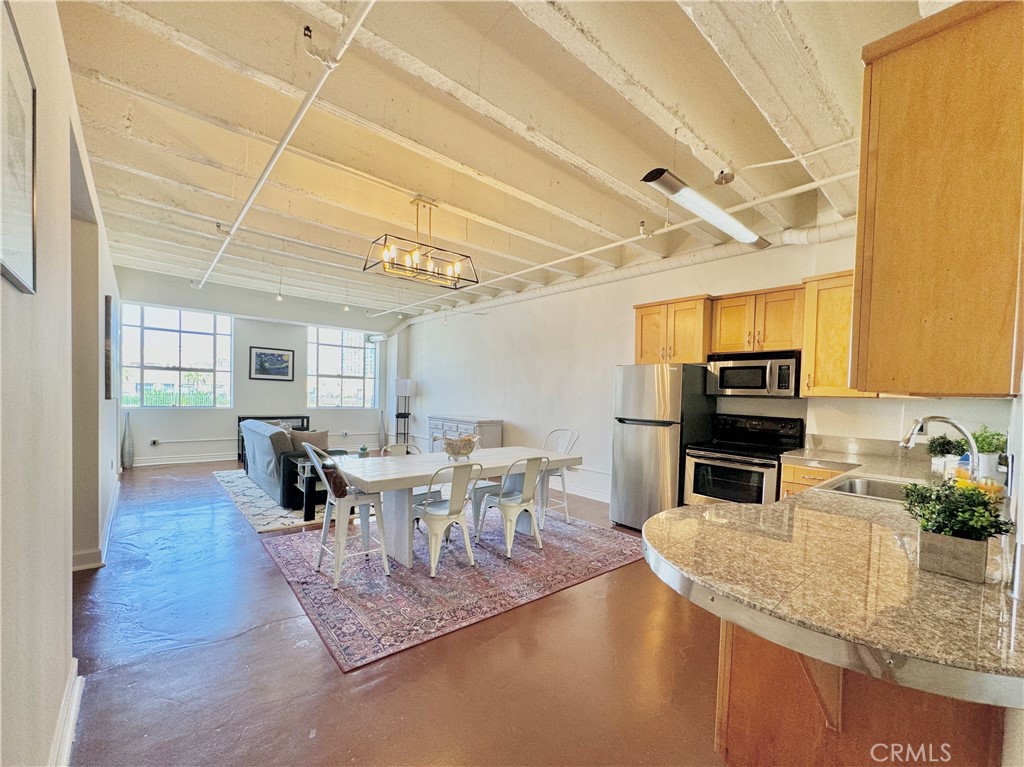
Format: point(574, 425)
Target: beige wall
point(548, 363)
point(95, 453)
point(35, 429)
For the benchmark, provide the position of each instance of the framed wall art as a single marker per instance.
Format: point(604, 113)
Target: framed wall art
point(17, 160)
point(266, 364)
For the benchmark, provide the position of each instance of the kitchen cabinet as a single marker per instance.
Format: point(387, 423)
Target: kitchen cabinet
point(938, 293)
point(764, 321)
point(675, 331)
point(828, 314)
point(796, 479)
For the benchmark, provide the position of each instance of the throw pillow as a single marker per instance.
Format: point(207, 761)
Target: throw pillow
point(315, 438)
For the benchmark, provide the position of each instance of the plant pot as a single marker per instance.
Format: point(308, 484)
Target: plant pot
point(956, 557)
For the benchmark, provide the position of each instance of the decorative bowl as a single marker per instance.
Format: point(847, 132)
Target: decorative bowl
point(458, 447)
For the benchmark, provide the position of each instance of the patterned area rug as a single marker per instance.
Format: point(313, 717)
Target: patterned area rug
point(257, 507)
point(372, 616)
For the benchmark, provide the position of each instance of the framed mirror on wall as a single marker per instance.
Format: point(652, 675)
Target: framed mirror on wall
point(17, 160)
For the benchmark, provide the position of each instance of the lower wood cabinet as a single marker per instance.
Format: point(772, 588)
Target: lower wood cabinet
point(796, 479)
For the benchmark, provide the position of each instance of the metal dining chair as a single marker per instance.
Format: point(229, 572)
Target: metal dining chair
point(560, 441)
point(439, 515)
point(363, 501)
point(511, 503)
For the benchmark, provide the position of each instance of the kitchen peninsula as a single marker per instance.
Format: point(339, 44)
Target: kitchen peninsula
point(860, 643)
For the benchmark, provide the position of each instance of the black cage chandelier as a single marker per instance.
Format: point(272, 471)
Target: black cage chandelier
point(418, 261)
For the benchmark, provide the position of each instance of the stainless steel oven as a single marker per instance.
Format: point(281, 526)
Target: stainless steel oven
point(754, 374)
point(713, 477)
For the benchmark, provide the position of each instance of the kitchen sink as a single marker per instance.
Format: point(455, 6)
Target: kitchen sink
point(868, 487)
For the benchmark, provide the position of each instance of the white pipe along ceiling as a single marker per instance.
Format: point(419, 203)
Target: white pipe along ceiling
point(260, 164)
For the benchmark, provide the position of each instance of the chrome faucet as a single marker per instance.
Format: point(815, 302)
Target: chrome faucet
point(918, 428)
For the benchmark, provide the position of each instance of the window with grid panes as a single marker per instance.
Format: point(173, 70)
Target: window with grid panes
point(174, 357)
point(341, 368)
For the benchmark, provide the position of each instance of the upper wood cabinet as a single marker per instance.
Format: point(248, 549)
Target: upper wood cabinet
point(765, 321)
point(828, 312)
point(677, 331)
point(937, 294)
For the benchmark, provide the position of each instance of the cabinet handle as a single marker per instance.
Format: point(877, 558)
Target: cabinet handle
point(804, 476)
point(670, 352)
point(663, 352)
point(808, 382)
point(750, 335)
point(760, 343)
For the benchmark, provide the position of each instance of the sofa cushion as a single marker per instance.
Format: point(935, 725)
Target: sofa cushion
point(315, 438)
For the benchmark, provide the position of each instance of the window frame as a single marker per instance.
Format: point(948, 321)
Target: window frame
point(141, 367)
point(313, 344)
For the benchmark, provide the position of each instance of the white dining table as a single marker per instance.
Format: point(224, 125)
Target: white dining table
point(394, 477)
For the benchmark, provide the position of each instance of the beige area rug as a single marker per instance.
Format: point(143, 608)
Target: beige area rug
point(257, 507)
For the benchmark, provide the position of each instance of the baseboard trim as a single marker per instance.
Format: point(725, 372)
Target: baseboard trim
point(586, 492)
point(115, 496)
point(64, 735)
point(89, 559)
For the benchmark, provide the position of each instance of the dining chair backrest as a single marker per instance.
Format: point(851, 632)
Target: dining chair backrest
point(462, 477)
point(400, 448)
point(561, 441)
point(318, 457)
point(531, 469)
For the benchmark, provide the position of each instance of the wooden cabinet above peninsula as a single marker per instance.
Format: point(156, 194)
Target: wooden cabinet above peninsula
point(938, 281)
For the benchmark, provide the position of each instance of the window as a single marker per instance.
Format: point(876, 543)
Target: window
point(341, 369)
point(174, 358)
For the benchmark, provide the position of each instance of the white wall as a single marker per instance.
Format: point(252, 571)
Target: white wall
point(548, 363)
point(95, 438)
point(36, 665)
point(208, 434)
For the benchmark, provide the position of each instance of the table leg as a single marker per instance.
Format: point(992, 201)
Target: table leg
point(398, 528)
point(309, 498)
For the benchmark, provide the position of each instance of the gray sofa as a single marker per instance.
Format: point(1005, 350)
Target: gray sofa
point(268, 454)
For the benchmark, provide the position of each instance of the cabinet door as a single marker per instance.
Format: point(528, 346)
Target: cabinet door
point(689, 330)
point(650, 334)
point(939, 210)
point(828, 313)
point(786, 489)
point(779, 320)
point(733, 324)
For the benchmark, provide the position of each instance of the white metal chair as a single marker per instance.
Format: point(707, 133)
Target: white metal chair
point(560, 441)
point(439, 515)
point(363, 501)
point(511, 503)
point(400, 448)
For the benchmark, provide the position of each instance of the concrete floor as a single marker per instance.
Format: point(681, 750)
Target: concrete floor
point(195, 651)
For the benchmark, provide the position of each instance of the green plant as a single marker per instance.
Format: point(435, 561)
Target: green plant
point(957, 510)
point(989, 441)
point(941, 445)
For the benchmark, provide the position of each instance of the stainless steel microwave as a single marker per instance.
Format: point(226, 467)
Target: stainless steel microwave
point(754, 374)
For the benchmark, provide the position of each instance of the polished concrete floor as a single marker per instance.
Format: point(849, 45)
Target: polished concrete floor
point(196, 652)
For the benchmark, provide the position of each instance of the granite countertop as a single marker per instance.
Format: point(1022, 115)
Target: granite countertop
point(844, 567)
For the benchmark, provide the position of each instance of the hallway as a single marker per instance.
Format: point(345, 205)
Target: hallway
point(195, 651)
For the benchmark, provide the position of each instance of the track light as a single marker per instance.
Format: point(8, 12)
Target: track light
point(676, 189)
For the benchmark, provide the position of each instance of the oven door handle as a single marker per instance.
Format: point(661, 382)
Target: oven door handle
point(717, 459)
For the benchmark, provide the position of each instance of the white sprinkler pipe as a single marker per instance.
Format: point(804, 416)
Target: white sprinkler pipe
point(329, 62)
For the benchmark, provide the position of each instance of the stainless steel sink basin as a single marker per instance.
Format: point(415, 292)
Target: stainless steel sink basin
point(868, 487)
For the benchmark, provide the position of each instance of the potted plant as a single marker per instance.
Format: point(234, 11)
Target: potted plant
point(941, 448)
point(956, 520)
point(991, 444)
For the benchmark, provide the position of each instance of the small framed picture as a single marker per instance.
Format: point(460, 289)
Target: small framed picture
point(267, 364)
point(17, 160)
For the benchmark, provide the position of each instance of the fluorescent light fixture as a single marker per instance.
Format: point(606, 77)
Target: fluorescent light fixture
point(673, 187)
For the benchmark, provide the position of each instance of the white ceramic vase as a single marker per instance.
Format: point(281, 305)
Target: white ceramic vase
point(988, 465)
point(127, 445)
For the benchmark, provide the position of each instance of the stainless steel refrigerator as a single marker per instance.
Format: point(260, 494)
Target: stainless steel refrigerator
point(658, 409)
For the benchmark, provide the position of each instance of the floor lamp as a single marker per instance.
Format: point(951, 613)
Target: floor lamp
point(404, 389)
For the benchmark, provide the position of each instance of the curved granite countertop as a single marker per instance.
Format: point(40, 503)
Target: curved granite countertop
point(835, 577)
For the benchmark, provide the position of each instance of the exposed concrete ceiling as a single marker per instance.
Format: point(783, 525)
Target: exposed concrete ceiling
point(529, 124)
